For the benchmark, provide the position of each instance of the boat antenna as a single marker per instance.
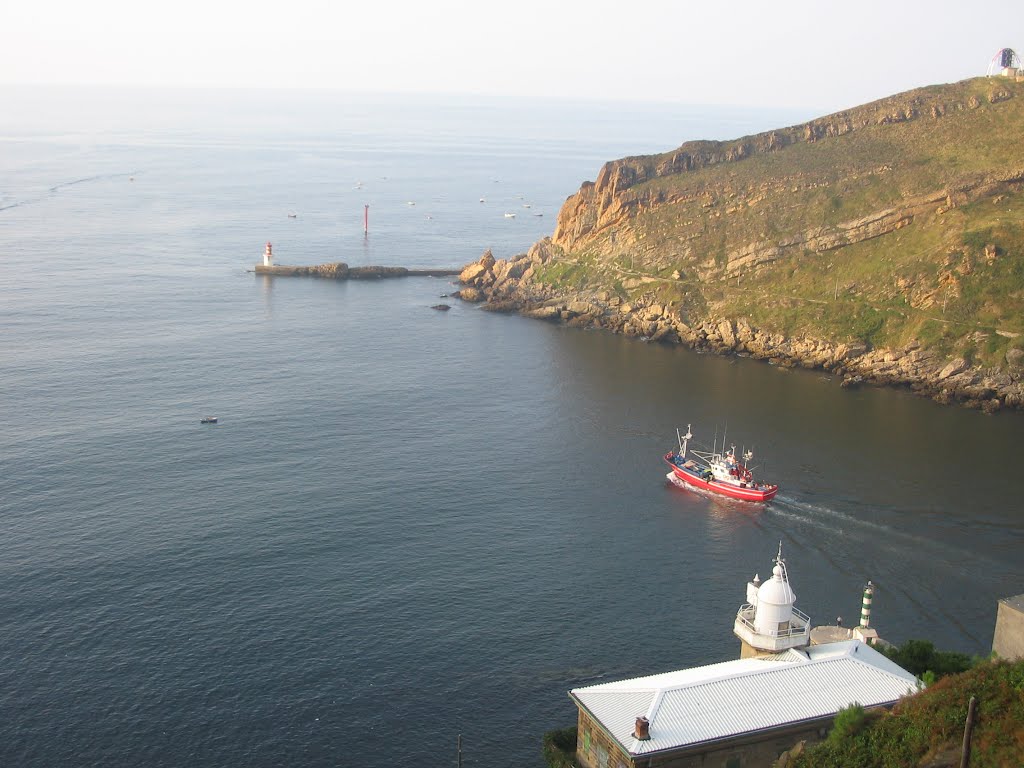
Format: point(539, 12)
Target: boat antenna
point(724, 434)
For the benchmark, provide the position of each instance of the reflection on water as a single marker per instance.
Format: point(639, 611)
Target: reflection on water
point(266, 283)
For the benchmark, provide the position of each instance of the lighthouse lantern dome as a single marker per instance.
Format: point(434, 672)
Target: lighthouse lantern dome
point(775, 599)
point(776, 590)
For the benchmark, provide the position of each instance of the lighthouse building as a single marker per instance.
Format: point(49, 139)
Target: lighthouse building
point(740, 713)
point(769, 621)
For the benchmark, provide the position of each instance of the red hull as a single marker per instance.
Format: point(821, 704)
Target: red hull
point(765, 493)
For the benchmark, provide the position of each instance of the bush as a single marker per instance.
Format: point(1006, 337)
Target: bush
point(559, 747)
point(848, 723)
point(919, 657)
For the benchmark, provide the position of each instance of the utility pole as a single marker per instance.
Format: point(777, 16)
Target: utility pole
point(965, 751)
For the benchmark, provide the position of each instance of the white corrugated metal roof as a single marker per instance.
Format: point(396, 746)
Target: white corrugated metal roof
point(719, 701)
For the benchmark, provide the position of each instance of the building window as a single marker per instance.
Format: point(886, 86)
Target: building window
point(734, 762)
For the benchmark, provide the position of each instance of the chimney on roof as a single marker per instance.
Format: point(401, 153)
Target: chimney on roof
point(642, 731)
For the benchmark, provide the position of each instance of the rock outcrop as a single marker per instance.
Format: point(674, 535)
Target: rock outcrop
point(613, 196)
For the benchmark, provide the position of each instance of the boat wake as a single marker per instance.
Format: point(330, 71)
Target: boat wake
point(671, 477)
point(822, 515)
point(890, 537)
point(64, 185)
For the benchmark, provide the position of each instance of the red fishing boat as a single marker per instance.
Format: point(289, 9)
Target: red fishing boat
point(721, 472)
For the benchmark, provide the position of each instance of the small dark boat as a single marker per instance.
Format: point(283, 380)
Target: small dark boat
point(208, 420)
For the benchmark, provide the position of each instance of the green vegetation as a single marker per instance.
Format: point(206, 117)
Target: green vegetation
point(902, 221)
point(927, 728)
point(920, 658)
point(559, 747)
point(848, 723)
point(564, 275)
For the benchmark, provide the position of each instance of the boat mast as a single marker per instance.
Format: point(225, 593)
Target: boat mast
point(683, 439)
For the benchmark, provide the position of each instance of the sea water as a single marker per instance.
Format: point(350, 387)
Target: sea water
point(407, 525)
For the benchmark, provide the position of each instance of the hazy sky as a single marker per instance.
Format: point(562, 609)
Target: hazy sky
point(816, 54)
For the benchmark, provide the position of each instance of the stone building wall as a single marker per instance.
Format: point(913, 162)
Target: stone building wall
point(1008, 640)
point(596, 749)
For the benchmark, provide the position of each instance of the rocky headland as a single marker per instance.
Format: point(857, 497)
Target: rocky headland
point(884, 244)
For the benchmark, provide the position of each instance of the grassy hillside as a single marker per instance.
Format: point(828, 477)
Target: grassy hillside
point(899, 221)
point(927, 729)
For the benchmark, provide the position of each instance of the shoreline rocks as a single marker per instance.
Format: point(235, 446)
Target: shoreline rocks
point(506, 285)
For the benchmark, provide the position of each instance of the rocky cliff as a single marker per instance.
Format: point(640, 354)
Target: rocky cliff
point(884, 243)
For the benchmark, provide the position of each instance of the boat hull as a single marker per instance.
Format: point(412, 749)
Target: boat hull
point(759, 492)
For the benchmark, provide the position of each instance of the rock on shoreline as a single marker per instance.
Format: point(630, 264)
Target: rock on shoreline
point(507, 285)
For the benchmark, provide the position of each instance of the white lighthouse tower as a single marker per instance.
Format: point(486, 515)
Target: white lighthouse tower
point(268, 256)
point(769, 622)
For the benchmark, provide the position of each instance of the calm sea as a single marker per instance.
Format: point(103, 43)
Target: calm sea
point(408, 525)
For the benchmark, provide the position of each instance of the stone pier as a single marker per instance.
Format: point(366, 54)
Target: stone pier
point(339, 270)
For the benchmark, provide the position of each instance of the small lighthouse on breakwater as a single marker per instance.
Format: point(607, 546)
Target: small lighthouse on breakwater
point(268, 255)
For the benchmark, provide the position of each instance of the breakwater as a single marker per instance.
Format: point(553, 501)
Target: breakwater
point(339, 270)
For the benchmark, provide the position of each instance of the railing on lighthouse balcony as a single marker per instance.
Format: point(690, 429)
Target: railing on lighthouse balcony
point(787, 634)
